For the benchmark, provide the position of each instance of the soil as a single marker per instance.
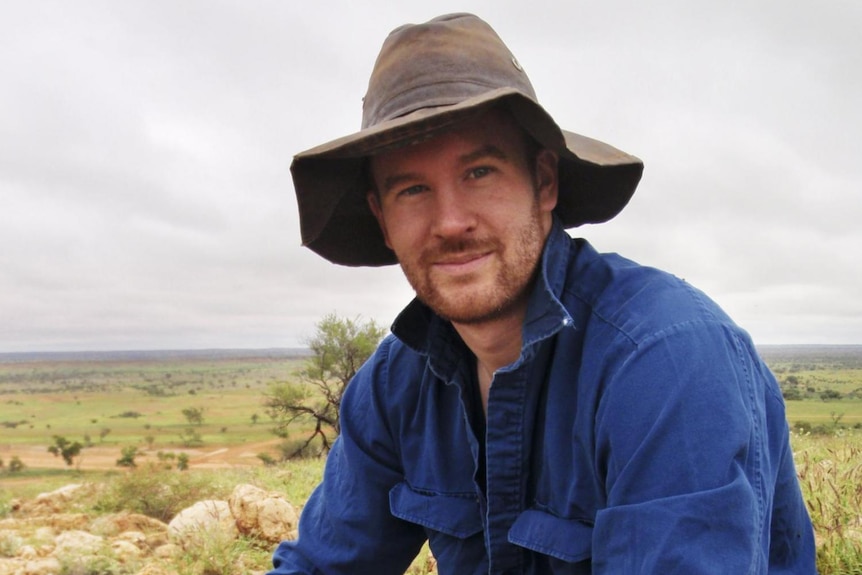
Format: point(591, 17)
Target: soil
point(100, 457)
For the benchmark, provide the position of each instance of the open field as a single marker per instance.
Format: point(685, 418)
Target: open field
point(109, 403)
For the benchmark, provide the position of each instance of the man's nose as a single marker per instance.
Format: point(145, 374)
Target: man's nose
point(454, 214)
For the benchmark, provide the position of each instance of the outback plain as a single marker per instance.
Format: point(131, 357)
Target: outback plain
point(197, 422)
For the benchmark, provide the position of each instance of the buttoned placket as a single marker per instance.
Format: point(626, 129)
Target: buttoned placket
point(512, 401)
point(504, 449)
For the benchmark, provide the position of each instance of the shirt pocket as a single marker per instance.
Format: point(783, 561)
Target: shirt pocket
point(454, 515)
point(569, 540)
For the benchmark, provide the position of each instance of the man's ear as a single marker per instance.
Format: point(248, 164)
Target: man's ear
point(547, 179)
point(373, 199)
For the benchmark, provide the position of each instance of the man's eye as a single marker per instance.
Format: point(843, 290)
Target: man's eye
point(411, 191)
point(480, 172)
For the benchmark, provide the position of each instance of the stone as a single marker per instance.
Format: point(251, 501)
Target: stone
point(204, 521)
point(265, 515)
point(77, 544)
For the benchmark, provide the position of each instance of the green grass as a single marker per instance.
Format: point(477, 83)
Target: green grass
point(74, 399)
point(137, 400)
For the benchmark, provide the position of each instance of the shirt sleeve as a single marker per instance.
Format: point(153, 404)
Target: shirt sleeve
point(683, 445)
point(346, 526)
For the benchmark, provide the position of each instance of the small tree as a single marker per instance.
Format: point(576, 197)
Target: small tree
point(16, 465)
point(66, 449)
point(128, 457)
point(339, 348)
point(191, 438)
point(194, 415)
point(183, 461)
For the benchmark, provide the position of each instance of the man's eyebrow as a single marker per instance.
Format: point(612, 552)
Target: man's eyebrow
point(396, 179)
point(486, 151)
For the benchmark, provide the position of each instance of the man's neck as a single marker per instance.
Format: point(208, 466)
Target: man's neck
point(495, 343)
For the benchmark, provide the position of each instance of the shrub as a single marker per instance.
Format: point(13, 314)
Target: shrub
point(16, 465)
point(215, 556)
point(830, 476)
point(191, 438)
point(104, 563)
point(267, 459)
point(128, 457)
point(183, 461)
point(159, 493)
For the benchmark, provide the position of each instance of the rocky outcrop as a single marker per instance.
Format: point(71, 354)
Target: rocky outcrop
point(49, 535)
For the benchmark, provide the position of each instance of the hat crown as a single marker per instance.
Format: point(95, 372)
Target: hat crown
point(439, 63)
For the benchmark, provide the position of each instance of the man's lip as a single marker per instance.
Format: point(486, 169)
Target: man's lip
point(462, 262)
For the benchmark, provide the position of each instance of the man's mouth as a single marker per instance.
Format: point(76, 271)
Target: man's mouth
point(462, 263)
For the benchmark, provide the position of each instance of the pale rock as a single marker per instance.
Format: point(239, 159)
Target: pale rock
point(46, 566)
point(110, 525)
point(262, 514)
point(154, 569)
point(167, 551)
point(44, 534)
point(125, 550)
point(135, 538)
point(53, 501)
point(204, 521)
point(77, 543)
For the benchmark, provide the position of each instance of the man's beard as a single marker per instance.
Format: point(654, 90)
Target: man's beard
point(490, 300)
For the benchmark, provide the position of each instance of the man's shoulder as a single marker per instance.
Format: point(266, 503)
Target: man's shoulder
point(636, 300)
point(393, 361)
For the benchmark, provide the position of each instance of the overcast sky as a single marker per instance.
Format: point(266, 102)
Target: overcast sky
point(145, 193)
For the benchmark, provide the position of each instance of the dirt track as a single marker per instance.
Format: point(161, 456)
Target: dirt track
point(104, 457)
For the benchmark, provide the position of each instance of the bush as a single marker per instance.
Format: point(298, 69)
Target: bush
point(16, 465)
point(214, 556)
point(159, 493)
point(128, 457)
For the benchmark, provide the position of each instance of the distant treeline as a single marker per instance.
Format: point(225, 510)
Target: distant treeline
point(155, 355)
point(845, 356)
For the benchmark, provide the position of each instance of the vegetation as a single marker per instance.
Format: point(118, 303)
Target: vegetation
point(338, 349)
point(42, 400)
point(66, 449)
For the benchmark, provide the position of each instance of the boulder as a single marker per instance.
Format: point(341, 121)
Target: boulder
point(51, 502)
point(262, 514)
point(203, 522)
point(115, 523)
point(77, 544)
point(45, 566)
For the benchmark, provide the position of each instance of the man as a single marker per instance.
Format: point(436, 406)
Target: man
point(540, 408)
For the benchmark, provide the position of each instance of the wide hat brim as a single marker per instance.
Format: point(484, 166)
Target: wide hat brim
point(596, 180)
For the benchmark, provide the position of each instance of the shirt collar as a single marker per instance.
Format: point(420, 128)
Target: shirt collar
point(430, 335)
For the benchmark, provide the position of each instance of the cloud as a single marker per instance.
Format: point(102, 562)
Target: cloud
point(144, 154)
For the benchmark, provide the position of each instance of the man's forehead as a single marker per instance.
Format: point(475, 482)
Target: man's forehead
point(492, 133)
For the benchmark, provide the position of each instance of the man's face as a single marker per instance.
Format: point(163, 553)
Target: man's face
point(467, 214)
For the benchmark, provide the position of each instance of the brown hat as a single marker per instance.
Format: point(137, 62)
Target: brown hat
point(427, 77)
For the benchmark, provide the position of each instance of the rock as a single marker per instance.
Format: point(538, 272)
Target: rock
point(167, 551)
point(203, 522)
point(125, 550)
point(109, 525)
point(264, 515)
point(46, 566)
point(77, 544)
point(51, 502)
point(154, 569)
point(135, 538)
point(10, 542)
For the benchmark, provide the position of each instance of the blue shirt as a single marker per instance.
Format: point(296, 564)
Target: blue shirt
point(637, 433)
